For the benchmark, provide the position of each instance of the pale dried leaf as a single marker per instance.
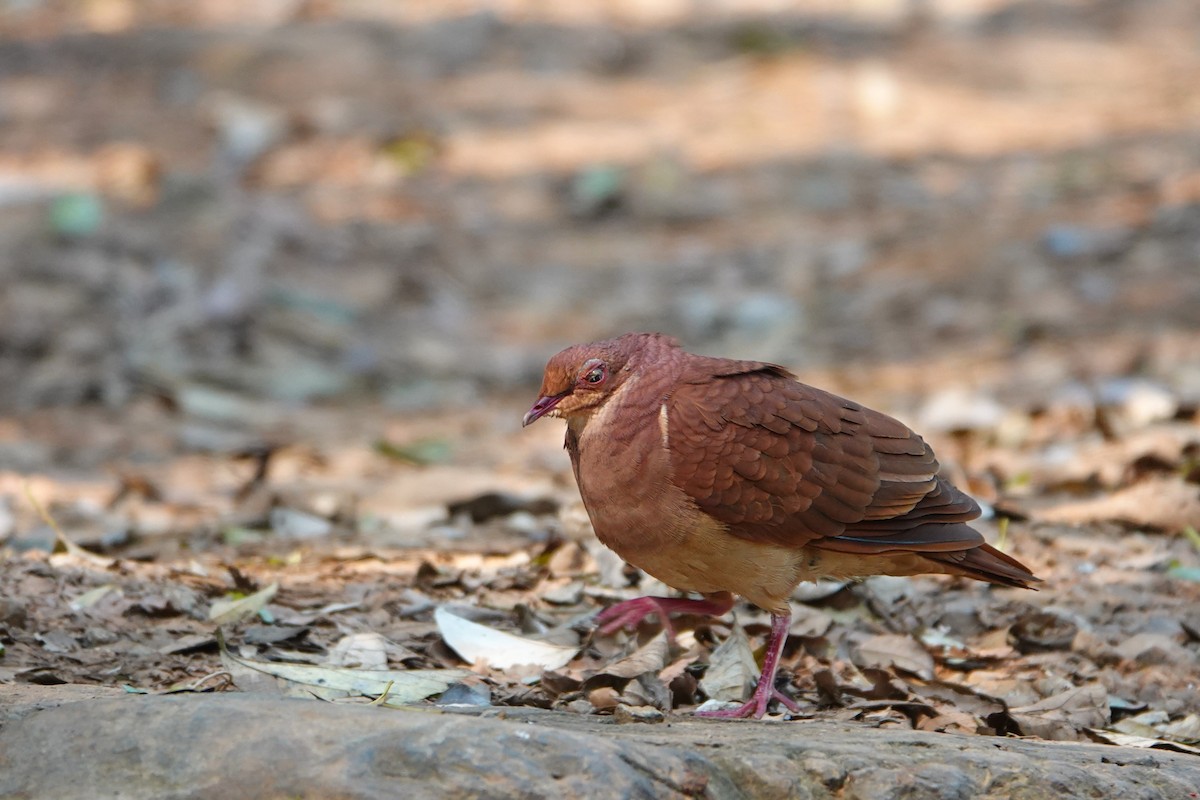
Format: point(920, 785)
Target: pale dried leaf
point(1186, 730)
point(732, 669)
point(1145, 742)
point(809, 622)
point(477, 643)
point(224, 612)
point(367, 650)
point(91, 597)
point(401, 686)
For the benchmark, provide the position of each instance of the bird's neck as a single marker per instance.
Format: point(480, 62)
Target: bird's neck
point(636, 401)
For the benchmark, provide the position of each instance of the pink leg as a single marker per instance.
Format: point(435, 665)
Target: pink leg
point(765, 692)
point(630, 613)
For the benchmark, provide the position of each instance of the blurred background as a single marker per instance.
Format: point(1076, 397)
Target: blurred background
point(278, 280)
point(219, 215)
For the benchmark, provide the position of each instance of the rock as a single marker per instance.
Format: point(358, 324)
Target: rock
point(625, 714)
point(243, 745)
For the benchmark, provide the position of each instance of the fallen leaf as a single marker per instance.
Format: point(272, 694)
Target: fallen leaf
point(91, 597)
point(651, 657)
point(1168, 504)
point(1062, 716)
point(732, 669)
point(964, 698)
point(892, 650)
point(809, 622)
point(224, 612)
point(401, 686)
point(366, 650)
point(478, 643)
point(1128, 740)
point(1186, 730)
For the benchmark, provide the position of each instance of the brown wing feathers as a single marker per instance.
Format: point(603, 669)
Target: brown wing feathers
point(787, 463)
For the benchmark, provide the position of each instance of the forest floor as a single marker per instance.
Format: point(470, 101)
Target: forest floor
point(276, 292)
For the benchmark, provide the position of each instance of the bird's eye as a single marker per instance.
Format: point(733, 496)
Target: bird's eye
point(594, 375)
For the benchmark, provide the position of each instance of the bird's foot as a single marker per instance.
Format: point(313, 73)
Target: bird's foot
point(755, 708)
point(630, 613)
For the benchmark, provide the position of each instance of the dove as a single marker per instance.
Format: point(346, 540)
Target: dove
point(726, 478)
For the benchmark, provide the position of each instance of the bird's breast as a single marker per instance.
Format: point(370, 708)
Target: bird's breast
point(637, 511)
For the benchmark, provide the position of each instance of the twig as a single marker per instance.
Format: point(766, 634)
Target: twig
point(71, 548)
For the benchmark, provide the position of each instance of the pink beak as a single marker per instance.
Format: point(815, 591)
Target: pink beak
point(542, 407)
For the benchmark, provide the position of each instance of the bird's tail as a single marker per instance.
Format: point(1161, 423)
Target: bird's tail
point(986, 563)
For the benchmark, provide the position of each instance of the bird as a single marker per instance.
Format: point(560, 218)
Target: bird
point(726, 478)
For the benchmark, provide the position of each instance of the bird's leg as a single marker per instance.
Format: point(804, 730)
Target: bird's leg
point(765, 692)
point(629, 613)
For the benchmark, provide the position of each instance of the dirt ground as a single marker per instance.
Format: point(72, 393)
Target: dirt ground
point(277, 284)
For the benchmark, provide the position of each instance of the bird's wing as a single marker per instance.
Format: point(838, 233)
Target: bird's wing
point(783, 462)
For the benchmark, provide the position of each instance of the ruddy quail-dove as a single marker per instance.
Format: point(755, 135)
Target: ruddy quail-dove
point(724, 477)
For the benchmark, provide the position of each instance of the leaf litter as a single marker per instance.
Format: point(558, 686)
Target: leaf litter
point(489, 599)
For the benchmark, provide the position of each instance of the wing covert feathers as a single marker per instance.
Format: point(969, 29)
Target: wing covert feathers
point(782, 462)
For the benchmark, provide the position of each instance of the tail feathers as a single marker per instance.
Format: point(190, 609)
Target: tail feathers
point(986, 563)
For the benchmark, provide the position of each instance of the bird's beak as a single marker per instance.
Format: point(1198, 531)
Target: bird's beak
point(541, 408)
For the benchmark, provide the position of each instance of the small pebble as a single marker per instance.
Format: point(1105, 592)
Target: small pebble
point(624, 714)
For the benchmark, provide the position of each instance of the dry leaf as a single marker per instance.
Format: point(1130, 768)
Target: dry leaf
point(367, 650)
point(1186, 730)
point(651, 657)
point(1129, 740)
point(477, 643)
point(1061, 717)
point(964, 698)
point(732, 669)
point(893, 650)
point(91, 597)
point(224, 612)
point(1168, 504)
point(400, 686)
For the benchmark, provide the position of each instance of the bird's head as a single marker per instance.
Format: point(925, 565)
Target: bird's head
point(581, 378)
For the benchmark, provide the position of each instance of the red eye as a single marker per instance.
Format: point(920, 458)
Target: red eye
point(594, 374)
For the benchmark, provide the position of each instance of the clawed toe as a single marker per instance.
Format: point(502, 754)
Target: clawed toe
point(630, 613)
point(755, 708)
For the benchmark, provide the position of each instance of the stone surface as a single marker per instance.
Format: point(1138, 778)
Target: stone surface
point(253, 746)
